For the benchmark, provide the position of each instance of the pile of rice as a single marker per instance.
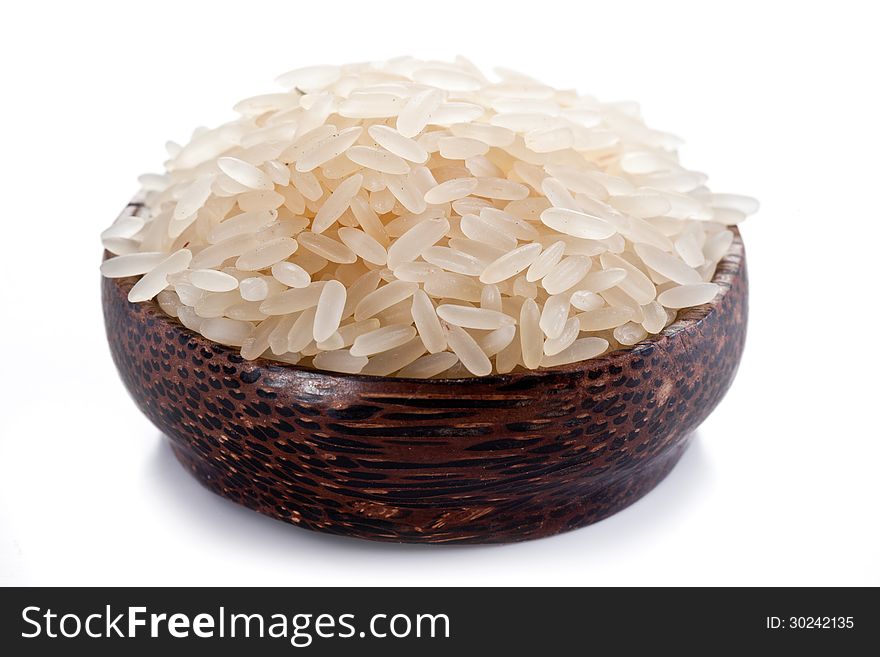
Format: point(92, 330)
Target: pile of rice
point(416, 219)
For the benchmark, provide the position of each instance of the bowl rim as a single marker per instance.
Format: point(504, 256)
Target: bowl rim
point(729, 268)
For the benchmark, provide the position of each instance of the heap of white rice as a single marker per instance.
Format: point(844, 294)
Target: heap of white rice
point(415, 218)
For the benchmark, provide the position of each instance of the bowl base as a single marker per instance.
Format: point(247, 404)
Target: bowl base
point(594, 502)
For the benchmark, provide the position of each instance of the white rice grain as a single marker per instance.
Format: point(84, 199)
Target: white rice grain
point(390, 361)
point(293, 300)
point(428, 324)
point(382, 339)
point(453, 286)
point(299, 338)
point(212, 280)
point(240, 224)
point(326, 247)
point(291, 274)
point(328, 148)
point(577, 223)
point(339, 360)
point(156, 280)
point(477, 228)
point(226, 331)
point(267, 254)
point(468, 351)
point(654, 317)
point(331, 303)
point(546, 262)
point(531, 336)
point(429, 365)
point(363, 245)
point(500, 189)
point(473, 318)
point(337, 203)
point(245, 174)
point(667, 265)
point(605, 318)
point(132, 264)
point(384, 297)
point(254, 288)
point(635, 283)
point(394, 142)
point(510, 264)
point(603, 279)
point(461, 148)
point(582, 349)
point(630, 333)
point(569, 333)
point(586, 300)
point(686, 296)
point(195, 196)
point(416, 113)
point(451, 190)
point(568, 273)
point(452, 260)
point(377, 159)
point(554, 315)
point(410, 245)
point(495, 341)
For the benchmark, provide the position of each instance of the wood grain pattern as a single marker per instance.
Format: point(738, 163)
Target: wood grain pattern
point(493, 459)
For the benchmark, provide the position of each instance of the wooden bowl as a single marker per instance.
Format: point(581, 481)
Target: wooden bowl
point(480, 460)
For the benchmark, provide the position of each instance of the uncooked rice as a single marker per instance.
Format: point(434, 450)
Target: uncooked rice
point(419, 219)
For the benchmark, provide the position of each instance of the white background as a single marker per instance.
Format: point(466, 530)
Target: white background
point(775, 100)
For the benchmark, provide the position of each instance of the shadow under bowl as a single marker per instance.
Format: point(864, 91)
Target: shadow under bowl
point(483, 460)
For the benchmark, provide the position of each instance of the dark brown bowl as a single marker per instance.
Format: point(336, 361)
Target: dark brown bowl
point(481, 460)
